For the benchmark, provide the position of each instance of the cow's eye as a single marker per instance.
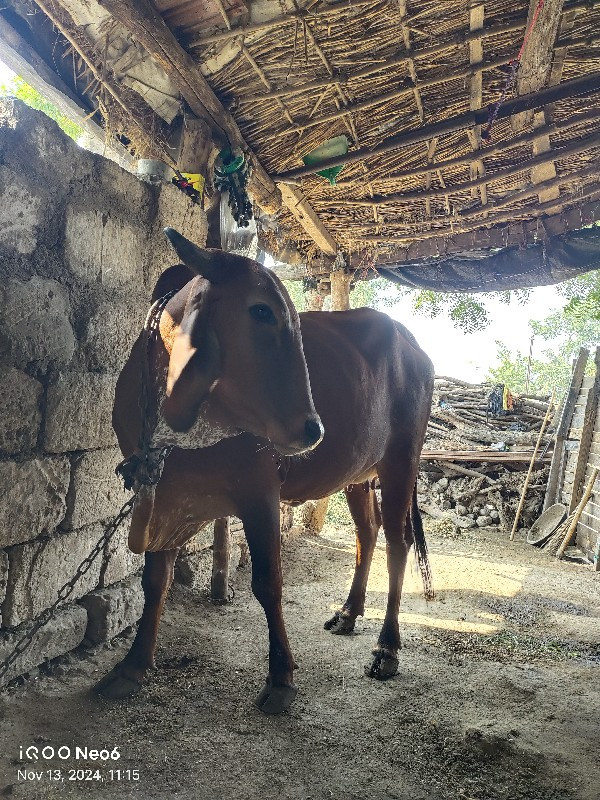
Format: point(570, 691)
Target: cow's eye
point(262, 313)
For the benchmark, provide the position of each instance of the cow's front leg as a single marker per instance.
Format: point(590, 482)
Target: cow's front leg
point(127, 677)
point(262, 528)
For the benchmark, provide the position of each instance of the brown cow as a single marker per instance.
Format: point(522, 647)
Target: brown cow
point(236, 363)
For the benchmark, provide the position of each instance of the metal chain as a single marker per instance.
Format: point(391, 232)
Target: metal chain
point(67, 589)
point(136, 471)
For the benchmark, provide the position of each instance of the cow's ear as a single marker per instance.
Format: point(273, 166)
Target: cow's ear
point(194, 366)
point(200, 261)
point(172, 280)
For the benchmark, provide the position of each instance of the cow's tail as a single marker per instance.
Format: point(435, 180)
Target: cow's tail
point(421, 547)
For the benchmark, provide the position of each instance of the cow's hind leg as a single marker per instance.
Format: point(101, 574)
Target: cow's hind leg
point(262, 529)
point(364, 508)
point(126, 678)
point(397, 476)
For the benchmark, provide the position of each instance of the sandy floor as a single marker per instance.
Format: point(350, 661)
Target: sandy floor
point(497, 696)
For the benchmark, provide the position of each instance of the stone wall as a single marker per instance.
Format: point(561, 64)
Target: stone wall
point(81, 246)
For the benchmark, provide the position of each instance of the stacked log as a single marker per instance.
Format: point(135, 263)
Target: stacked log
point(475, 457)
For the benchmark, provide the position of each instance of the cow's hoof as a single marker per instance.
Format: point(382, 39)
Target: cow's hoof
point(340, 623)
point(118, 685)
point(275, 699)
point(384, 664)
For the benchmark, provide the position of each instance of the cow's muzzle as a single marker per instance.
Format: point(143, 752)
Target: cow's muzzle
point(312, 433)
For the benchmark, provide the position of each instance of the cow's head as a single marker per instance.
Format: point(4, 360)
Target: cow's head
point(239, 343)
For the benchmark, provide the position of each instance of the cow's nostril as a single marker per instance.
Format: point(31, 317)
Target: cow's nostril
point(313, 430)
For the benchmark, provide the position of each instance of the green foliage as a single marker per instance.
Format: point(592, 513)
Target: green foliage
point(337, 510)
point(296, 293)
point(566, 332)
point(467, 311)
point(22, 91)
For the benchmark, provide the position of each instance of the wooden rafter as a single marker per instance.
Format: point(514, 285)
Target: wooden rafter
point(513, 233)
point(395, 94)
point(477, 169)
point(571, 148)
point(577, 87)
point(460, 226)
point(492, 149)
point(403, 9)
point(307, 217)
point(143, 21)
point(276, 22)
point(536, 61)
point(449, 44)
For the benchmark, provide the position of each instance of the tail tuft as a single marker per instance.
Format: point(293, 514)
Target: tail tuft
point(421, 548)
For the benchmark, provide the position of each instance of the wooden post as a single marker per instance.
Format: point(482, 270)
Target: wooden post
point(221, 554)
point(529, 471)
point(587, 434)
point(340, 290)
point(553, 489)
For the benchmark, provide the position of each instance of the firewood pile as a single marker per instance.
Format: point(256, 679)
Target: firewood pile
point(479, 443)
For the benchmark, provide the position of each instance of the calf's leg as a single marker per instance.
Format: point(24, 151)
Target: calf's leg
point(397, 476)
point(126, 678)
point(262, 529)
point(364, 508)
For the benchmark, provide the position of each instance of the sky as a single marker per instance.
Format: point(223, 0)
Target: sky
point(468, 356)
point(462, 355)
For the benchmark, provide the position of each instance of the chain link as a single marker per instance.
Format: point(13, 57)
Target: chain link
point(135, 471)
point(67, 589)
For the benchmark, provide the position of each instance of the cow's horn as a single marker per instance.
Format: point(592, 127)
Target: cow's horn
point(200, 261)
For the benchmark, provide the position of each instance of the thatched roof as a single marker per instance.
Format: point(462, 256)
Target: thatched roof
point(412, 84)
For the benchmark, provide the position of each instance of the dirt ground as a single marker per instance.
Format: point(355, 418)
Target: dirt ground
point(497, 697)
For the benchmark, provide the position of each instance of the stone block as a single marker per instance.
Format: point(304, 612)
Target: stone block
point(37, 570)
point(102, 248)
point(120, 562)
point(21, 416)
point(34, 323)
point(83, 242)
point(124, 254)
point(202, 540)
point(61, 635)
point(3, 578)
point(21, 212)
point(33, 498)
point(79, 412)
point(96, 492)
point(175, 210)
point(112, 329)
point(112, 610)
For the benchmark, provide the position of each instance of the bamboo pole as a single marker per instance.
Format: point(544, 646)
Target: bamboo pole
point(530, 470)
point(578, 512)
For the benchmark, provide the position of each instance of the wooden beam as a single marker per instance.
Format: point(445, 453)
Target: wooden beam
point(536, 61)
point(577, 87)
point(276, 22)
point(491, 150)
point(515, 233)
point(449, 44)
point(395, 94)
point(592, 190)
point(19, 56)
point(143, 21)
point(306, 216)
point(570, 148)
point(403, 9)
point(477, 169)
point(587, 434)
